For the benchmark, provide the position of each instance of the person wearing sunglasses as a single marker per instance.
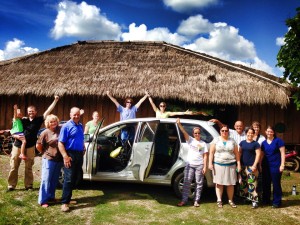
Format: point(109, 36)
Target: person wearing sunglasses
point(161, 112)
point(195, 165)
point(224, 161)
point(238, 134)
point(127, 112)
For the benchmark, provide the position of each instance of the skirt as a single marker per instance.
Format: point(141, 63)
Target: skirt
point(224, 175)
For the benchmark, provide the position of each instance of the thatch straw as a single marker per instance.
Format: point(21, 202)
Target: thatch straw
point(128, 68)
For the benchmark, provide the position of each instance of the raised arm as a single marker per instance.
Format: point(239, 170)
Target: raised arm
point(15, 111)
point(51, 107)
point(137, 105)
point(187, 112)
point(217, 122)
point(113, 99)
point(152, 104)
point(185, 134)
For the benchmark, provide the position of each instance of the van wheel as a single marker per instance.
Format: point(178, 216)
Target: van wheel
point(61, 178)
point(178, 186)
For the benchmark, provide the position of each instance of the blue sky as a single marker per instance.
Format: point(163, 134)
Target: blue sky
point(248, 32)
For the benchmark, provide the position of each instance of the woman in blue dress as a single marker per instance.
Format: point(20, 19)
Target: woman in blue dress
point(273, 152)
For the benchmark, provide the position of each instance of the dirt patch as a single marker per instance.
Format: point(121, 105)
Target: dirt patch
point(5, 167)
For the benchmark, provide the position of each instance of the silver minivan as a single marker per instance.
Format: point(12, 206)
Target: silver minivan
point(156, 153)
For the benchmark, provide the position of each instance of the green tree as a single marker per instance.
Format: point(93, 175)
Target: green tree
point(288, 56)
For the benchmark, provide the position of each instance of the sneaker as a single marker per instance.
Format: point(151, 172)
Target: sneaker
point(65, 208)
point(196, 204)
point(10, 188)
point(254, 205)
point(275, 206)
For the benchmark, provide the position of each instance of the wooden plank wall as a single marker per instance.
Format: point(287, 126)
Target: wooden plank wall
point(271, 115)
point(266, 114)
point(104, 106)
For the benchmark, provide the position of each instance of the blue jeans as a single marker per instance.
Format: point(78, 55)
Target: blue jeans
point(50, 175)
point(71, 175)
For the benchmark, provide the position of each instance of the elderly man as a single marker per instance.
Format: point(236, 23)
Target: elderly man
point(71, 146)
point(31, 126)
point(238, 134)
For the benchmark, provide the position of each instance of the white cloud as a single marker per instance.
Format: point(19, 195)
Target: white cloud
point(224, 42)
point(195, 25)
point(157, 34)
point(280, 41)
point(15, 48)
point(83, 21)
point(188, 5)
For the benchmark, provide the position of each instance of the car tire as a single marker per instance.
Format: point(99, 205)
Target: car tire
point(178, 186)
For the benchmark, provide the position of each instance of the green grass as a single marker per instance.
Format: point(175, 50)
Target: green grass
point(121, 203)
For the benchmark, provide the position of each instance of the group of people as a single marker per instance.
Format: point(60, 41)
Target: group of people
point(236, 156)
point(62, 146)
point(242, 156)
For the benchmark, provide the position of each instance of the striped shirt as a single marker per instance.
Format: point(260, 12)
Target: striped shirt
point(236, 136)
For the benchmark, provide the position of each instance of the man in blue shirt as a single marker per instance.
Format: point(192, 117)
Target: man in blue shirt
point(71, 146)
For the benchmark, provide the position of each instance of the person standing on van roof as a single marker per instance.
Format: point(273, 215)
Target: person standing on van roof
point(127, 112)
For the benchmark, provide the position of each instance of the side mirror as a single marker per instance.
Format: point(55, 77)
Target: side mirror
point(87, 137)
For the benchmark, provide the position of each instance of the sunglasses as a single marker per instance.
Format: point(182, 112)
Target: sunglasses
point(162, 106)
point(129, 102)
point(224, 130)
point(196, 133)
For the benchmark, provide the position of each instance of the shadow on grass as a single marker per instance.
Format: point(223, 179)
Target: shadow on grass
point(114, 192)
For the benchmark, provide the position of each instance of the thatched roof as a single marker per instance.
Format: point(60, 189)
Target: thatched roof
point(128, 68)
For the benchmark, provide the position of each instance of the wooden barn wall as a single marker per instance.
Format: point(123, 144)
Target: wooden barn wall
point(266, 114)
point(271, 115)
point(104, 106)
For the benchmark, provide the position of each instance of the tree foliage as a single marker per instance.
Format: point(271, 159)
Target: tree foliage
point(289, 55)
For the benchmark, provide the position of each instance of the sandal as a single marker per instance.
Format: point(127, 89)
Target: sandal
point(220, 204)
point(45, 205)
point(181, 204)
point(231, 203)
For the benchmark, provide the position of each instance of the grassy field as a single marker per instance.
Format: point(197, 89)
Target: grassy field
point(121, 203)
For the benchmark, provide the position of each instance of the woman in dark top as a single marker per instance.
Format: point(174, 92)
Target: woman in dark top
point(273, 151)
point(250, 155)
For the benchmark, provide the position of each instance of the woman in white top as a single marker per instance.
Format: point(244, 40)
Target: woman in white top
point(195, 165)
point(224, 160)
